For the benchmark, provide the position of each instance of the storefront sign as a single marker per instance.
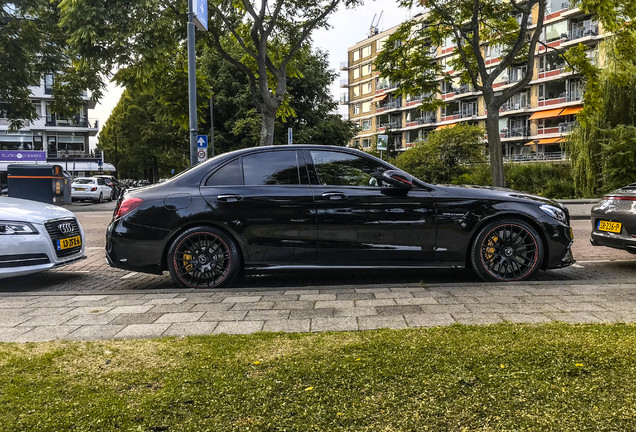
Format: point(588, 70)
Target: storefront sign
point(22, 156)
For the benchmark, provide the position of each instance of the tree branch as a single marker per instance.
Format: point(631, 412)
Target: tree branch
point(232, 30)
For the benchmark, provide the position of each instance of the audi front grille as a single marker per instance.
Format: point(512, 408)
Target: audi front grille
point(60, 229)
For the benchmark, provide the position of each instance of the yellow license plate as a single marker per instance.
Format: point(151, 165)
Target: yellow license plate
point(614, 227)
point(68, 243)
point(80, 189)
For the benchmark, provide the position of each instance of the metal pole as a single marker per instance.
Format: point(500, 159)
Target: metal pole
point(211, 149)
point(192, 86)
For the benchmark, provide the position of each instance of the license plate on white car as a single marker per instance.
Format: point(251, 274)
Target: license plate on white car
point(68, 243)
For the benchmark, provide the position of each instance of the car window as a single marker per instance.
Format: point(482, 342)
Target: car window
point(342, 169)
point(271, 168)
point(229, 174)
point(84, 181)
point(100, 181)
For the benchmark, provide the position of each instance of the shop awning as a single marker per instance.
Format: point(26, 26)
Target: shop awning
point(379, 98)
point(570, 111)
point(444, 126)
point(546, 114)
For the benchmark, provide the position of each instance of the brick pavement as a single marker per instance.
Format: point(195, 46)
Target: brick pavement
point(89, 300)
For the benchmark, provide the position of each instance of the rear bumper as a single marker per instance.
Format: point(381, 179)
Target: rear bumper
point(615, 241)
point(135, 247)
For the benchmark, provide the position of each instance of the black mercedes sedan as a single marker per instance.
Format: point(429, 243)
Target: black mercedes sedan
point(315, 206)
point(614, 220)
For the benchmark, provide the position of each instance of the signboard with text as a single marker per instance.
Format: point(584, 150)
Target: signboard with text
point(22, 156)
point(200, 9)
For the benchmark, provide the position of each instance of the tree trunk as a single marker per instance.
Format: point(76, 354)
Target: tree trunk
point(267, 126)
point(494, 147)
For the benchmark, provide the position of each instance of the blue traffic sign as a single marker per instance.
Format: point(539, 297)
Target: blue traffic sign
point(200, 9)
point(202, 141)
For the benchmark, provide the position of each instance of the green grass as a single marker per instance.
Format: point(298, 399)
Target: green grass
point(504, 377)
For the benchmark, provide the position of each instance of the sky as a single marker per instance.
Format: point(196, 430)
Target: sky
point(348, 27)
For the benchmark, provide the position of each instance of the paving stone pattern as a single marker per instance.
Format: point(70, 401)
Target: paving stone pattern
point(40, 317)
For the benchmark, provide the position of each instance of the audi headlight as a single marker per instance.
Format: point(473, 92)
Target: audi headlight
point(16, 228)
point(554, 212)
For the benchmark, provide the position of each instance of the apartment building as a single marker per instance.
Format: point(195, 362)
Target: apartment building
point(49, 138)
point(532, 123)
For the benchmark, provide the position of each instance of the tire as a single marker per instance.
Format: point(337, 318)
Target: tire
point(100, 199)
point(506, 250)
point(203, 257)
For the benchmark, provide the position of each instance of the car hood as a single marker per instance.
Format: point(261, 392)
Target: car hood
point(15, 209)
point(496, 193)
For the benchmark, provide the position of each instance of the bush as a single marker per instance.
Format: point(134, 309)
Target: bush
point(445, 155)
point(551, 180)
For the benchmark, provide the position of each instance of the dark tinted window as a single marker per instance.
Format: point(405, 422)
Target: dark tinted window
point(229, 174)
point(342, 169)
point(271, 168)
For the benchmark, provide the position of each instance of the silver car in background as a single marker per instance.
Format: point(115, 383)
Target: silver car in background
point(614, 220)
point(35, 236)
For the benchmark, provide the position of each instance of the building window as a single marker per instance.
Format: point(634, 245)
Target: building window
point(366, 125)
point(366, 107)
point(356, 55)
point(555, 31)
point(356, 91)
point(366, 88)
point(379, 45)
point(366, 51)
point(366, 143)
point(48, 83)
point(356, 73)
point(356, 109)
point(366, 69)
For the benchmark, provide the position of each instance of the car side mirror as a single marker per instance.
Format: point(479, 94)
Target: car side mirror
point(398, 179)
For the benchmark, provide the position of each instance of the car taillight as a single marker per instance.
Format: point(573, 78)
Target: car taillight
point(94, 189)
point(624, 198)
point(126, 206)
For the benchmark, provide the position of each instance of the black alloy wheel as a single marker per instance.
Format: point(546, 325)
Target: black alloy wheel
point(507, 250)
point(203, 257)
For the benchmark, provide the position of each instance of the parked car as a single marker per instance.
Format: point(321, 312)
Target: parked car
point(89, 188)
point(113, 184)
point(614, 220)
point(308, 206)
point(35, 237)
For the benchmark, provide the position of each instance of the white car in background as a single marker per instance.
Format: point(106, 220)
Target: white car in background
point(90, 188)
point(35, 236)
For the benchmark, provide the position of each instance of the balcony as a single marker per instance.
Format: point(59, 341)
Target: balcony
point(394, 104)
point(390, 125)
point(77, 121)
point(426, 120)
point(574, 96)
point(344, 65)
point(468, 112)
point(534, 157)
point(344, 82)
point(344, 98)
point(583, 29)
point(515, 132)
point(513, 106)
point(566, 127)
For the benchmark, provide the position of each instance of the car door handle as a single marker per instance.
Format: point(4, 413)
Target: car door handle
point(334, 195)
point(229, 198)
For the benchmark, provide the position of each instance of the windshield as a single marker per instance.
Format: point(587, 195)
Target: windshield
point(83, 181)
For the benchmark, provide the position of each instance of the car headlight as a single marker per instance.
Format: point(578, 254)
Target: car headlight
point(16, 228)
point(554, 212)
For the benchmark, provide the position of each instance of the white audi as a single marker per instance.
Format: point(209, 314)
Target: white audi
point(35, 236)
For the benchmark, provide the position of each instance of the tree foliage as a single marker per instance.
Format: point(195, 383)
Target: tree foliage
point(445, 155)
point(33, 43)
point(147, 132)
point(602, 147)
point(471, 26)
